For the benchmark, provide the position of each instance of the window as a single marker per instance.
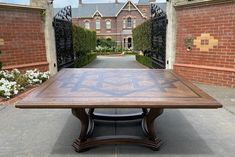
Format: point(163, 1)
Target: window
point(97, 24)
point(129, 22)
point(124, 23)
point(87, 25)
point(108, 24)
point(134, 23)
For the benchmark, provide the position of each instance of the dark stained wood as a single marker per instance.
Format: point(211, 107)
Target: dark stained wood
point(117, 88)
point(149, 121)
point(84, 119)
point(150, 89)
point(84, 142)
point(119, 139)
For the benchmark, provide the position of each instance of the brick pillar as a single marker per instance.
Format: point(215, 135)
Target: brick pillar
point(49, 33)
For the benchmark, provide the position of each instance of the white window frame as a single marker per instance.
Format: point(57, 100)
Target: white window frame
point(110, 24)
point(134, 23)
point(87, 24)
point(129, 22)
point(97, 24)
point(124, 23)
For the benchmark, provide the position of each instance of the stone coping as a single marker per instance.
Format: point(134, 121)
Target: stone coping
point(206, 67)
point(10, 5)
point(198, 3)
point(24, 65)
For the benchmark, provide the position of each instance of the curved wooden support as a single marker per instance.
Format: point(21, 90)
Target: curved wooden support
point(148, 123)
point(84, 142)
point(87, 123)
point(118, 139)
point(117, 117)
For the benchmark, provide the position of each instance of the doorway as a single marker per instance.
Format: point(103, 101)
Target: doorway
point(129, 42)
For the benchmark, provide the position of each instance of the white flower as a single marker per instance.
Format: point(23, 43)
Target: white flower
point(16, 91)
point(8, 85)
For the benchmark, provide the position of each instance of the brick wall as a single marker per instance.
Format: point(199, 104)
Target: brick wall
point(22, 33)
point(212, 30)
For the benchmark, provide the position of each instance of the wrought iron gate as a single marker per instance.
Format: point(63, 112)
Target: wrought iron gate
point(158, 37)
point(63, 35)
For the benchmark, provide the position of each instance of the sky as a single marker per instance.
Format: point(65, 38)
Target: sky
point(63, 3)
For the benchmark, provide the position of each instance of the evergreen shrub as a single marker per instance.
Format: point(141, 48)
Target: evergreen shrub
point(141, 37)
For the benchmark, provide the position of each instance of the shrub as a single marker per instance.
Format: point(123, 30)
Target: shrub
point(11, 82)
point(141, 37)
point(106, 43)
point(144, 60)
point(84, 41)
point(36, 77)
point(107, 46)
point(85, 60)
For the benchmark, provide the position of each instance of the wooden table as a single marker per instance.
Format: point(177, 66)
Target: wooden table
point(148, 89)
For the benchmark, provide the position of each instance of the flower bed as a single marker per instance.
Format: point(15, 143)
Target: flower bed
point(12, 82)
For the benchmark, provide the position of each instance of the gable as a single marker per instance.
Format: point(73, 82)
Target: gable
point(129, 6)
point(97, 13)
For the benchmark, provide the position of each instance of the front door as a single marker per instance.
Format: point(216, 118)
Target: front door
point(129, 44)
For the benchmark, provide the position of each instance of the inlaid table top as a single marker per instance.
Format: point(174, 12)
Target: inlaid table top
point(117, 88)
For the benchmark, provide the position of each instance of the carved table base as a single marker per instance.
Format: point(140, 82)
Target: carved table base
point(85, 142)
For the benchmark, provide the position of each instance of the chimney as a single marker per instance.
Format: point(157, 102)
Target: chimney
point(80, 2)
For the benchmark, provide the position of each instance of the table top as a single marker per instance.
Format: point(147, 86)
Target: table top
point(117, 88)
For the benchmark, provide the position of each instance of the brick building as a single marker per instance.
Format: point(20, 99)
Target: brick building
point(113, 20)
point(207, 27)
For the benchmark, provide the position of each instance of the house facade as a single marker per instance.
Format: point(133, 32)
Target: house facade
point(113, 20)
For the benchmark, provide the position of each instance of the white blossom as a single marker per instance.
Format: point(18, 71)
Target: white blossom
point(9, 86)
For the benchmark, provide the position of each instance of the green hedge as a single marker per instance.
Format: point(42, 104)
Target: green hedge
point(84, 42)
point(85, 60)
point(106, 43)
point(141, 37)
point(144, 60)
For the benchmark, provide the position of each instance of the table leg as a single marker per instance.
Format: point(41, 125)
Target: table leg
point(84, 142)
point(87, 126)
point(148, 125)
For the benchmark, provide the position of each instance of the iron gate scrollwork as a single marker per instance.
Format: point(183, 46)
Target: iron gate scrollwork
point(64, 40)
point(158, 36)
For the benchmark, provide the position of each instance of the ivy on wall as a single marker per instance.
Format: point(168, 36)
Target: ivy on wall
point(141, 37)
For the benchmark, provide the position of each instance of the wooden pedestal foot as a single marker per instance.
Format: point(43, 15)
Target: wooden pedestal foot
point(118, 139)
point(87, 124)
point(148, 123)
point(83, 143)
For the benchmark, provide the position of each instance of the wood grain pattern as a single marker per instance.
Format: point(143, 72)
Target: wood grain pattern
point(117, 88)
